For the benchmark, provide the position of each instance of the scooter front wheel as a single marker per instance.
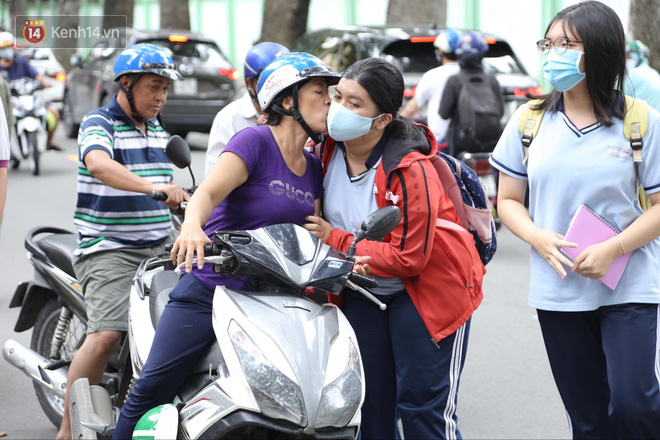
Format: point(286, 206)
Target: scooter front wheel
point(33, 145)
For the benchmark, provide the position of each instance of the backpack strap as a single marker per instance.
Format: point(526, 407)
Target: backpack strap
point(635, 126)
point(530, 121)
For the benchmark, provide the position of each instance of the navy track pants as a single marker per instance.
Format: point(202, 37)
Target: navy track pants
point(185, 331)
point(408, 376)
point(606, 365)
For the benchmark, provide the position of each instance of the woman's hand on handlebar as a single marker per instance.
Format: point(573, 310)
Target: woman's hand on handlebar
point(361, 267)
point(190, 242)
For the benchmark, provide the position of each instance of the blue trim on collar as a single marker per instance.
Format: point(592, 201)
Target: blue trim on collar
point(376, 153)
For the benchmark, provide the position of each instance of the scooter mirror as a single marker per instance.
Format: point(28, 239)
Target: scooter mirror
point(178, 151)
point(376, 226)
point(380, 223)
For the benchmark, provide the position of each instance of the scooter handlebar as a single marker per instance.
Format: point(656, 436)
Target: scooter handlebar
point(209, 249)
point(362, 280)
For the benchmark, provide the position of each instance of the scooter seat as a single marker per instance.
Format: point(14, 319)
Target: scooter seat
point(162, 284)
point(59, 249)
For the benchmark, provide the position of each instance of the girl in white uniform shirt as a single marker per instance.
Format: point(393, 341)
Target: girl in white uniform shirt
point(602, 344)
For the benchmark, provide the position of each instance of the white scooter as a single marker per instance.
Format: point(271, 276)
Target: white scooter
point(284, 366)
point(30, 133)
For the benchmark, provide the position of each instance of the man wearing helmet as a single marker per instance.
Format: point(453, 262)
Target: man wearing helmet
point(244, 111)
point(13, 67)
point(470, 49)
point(432, 84)
point(121, 162)
point(643, 80)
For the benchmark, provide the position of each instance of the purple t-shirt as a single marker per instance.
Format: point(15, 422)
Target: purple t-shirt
point(272, 194)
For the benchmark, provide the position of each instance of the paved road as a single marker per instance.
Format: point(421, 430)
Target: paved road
point(506, 392)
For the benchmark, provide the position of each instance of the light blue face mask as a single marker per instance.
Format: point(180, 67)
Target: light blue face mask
point(344, 125)
point(563, 70)
point(7, 53)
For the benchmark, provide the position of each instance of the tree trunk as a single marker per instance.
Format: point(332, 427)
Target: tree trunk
point(118, 7)
point(644, 25)
point(284, 21)
point(174, 14)
point(68, 19)
point(417, 12)
point(16, 7)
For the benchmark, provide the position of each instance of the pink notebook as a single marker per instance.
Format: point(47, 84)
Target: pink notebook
point(588, 227)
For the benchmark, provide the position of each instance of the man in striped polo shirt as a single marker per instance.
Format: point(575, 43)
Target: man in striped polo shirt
point(121, 162)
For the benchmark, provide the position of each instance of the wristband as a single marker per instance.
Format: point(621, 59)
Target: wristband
point(621, 244)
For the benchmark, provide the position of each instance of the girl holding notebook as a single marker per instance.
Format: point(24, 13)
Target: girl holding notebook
point(602, 343)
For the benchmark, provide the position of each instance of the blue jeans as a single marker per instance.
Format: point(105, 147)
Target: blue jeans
point(184, 332)
point(606, 367)
point(407, 375)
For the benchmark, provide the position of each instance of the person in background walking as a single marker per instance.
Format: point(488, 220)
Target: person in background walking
point(602, 344)
point(244, 111)
point(643, 80)
point(432, 84)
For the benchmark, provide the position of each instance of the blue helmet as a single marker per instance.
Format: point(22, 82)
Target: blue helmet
point(145, 58)
point(471, 43)
point(287, 71)
point(446, 40)
point(260, 56)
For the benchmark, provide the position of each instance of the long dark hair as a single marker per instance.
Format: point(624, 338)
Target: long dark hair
point(384, 84)
point(600, 29)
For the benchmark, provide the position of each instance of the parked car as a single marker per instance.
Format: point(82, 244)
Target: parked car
point(411, 50)
point(44, 62)
point(209, 81)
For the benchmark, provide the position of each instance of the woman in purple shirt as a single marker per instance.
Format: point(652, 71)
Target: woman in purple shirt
point(264, 176)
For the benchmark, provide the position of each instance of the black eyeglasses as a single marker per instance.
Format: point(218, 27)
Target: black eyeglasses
point(560, 45)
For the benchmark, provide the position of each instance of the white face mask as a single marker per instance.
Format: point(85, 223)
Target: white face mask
point(344, 125)
point(630, 64)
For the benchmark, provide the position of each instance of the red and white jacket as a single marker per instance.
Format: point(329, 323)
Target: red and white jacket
point(439, 267)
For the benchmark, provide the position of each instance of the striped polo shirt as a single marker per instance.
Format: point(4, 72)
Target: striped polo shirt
point(108, 218)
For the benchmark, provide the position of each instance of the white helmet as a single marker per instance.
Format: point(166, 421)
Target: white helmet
point(6, 39)
point(288, 70)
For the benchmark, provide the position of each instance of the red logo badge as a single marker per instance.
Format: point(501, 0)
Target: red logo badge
point(34, 31)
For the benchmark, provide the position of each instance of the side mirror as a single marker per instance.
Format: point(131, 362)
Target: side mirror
point(178, 152)
point(377, 225)
point(75, 60)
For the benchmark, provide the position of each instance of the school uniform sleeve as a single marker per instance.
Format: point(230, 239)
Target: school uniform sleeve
point(649, 169)
point(508, 154)
point(408, 251)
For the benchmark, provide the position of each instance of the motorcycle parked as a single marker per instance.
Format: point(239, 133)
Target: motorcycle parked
point(487, 176)
point(30, 132)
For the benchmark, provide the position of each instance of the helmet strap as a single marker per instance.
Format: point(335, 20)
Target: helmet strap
point(297, 116)
point(129, 97)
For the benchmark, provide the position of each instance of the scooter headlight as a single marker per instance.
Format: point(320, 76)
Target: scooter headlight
point(341, 398)
point(277, 395)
